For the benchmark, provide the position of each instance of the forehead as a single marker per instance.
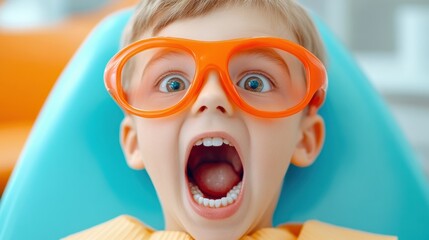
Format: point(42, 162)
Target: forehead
point(229, 23)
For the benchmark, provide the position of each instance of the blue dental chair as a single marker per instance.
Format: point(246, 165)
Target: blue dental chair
point(72, 174)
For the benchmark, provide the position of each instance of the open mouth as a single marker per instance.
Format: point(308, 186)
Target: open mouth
point(215, 173)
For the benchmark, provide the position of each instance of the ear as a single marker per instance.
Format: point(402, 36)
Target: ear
point(129, 143)
point(310, 141)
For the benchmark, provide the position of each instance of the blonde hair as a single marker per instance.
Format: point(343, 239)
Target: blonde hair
point(156, 14)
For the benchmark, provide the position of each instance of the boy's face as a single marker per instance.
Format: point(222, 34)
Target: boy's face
point(261, 153)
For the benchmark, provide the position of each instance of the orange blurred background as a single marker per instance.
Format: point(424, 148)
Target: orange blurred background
point(31, 60)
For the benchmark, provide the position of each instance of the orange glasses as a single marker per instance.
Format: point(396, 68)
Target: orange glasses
point(267, 77)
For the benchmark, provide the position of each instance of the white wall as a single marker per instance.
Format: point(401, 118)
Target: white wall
point(25, 14)
point(390, 39)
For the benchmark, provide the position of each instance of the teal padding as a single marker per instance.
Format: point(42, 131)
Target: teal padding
point(72, 174)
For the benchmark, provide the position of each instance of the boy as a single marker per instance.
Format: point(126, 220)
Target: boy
point(220, 98)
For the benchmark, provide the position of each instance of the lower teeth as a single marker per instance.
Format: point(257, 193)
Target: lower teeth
point(229, 199)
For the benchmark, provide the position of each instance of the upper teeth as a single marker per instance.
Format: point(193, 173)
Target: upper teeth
point(212, 141)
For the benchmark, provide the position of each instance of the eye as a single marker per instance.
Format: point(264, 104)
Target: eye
point(255, 82)
point(173, 83)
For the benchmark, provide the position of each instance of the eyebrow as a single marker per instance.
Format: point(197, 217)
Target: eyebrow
point(160, 55)
point(271, 55)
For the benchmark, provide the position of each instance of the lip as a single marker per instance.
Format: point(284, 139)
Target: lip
point(207, 212)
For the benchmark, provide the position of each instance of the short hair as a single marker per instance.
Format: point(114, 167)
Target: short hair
point(155, 15)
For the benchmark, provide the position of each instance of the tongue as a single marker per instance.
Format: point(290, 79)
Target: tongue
point(215, 179)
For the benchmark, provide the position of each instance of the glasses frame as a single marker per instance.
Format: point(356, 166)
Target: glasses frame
point(207, 57)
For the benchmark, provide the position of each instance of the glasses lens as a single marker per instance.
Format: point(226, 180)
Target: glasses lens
point(268, 79)
point(157, 78)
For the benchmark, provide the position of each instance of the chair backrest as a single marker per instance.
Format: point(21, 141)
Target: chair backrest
point(72, 175)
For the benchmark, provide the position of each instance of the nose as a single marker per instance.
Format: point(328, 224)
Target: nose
point(212, 97)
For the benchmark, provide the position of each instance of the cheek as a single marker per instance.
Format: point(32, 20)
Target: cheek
point(272, 147)
point(157, 140)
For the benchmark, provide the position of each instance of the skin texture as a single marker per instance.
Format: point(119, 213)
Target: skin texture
point(267, 146)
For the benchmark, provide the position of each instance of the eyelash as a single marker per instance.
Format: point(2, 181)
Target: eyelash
point(269, 77)
point(241, 75)
point(169, 72)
